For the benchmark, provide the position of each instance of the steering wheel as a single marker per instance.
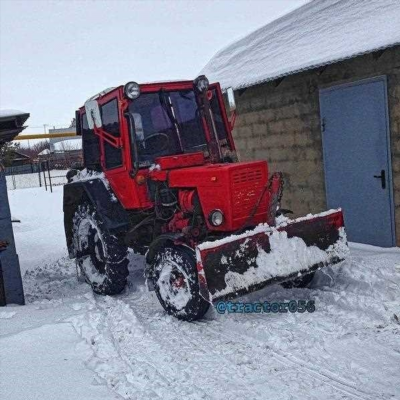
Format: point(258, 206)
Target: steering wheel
point(156, 142)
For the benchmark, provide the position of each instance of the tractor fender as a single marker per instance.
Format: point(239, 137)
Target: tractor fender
point(111, 212)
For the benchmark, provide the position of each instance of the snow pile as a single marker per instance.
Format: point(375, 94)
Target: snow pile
point(287, 256)
point(88, 175)
point(318, 33)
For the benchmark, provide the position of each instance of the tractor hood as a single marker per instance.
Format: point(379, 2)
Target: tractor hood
point(233, 189)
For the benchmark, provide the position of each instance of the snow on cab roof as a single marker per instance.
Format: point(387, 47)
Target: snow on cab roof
point(320, 32)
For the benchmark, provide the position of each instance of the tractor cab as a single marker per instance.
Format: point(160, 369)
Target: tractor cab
point(129, 130)
point(168, 122)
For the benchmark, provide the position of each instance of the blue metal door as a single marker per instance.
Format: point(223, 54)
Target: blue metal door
point(356, 148)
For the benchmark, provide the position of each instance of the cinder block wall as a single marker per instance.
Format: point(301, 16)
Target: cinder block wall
point(280, 122)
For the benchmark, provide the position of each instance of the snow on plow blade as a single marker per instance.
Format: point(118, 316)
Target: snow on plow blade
point(240, 264)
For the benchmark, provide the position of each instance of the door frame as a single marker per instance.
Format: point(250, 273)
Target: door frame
point(379, 78)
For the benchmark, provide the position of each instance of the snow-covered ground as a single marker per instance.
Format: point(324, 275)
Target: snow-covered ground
point(67, 343)
point(23, 181)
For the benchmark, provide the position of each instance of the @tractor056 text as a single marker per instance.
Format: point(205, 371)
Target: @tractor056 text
point(292, 306)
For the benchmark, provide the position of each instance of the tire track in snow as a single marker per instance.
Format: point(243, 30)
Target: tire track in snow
point(209, 350)
point(185, 331)
point(215, 364)
point(326, 377)
point(318, 372)
point(117, 341)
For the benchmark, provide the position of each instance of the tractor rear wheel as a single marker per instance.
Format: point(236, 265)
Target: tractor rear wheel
point(101, 259)
point(176, 283)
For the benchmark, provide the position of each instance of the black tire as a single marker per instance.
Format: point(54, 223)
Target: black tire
point(176, 283)
point(102, 260)
point(301, 282)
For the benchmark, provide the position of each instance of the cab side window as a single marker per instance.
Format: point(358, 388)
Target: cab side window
point(111, 124)
point(219, 122)
point(91, 145)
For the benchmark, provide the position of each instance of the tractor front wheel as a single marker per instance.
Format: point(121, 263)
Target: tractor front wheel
point(101, 259)
point(176, 283)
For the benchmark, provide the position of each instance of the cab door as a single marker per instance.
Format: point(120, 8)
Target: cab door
point(115, 156)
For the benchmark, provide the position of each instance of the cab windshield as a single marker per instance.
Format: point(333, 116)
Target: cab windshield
point(169, 123)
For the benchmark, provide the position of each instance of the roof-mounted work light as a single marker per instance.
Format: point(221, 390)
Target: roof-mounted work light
point(132, 90)
point(201, 83)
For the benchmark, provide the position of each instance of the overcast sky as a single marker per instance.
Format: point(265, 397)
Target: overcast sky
point(56, 54)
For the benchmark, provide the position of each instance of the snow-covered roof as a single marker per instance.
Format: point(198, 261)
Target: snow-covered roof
point(11, 124)
point(319, 33)
point(11, 113)
point(44, 152)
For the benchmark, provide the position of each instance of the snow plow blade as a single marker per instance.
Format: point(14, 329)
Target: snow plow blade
point(240, 264)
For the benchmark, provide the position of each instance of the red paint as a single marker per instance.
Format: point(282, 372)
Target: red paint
point(178, 222)
point(186, 200)
point(233, 188)
point(181, 161)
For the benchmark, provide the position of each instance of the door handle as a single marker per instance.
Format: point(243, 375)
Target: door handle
point(382, 177)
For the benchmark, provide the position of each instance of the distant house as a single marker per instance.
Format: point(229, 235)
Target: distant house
point(64, 154)
point(318, 95)
point(71, 128)
point(67, 149)
point(19, 158)
point(68, 145)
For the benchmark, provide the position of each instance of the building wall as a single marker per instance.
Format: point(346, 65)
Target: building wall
point(280, 122)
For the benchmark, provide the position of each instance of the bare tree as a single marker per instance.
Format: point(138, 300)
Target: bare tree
point(34, 150)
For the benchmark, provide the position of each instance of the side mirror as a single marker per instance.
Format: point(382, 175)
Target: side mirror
point(93, 114)
point(232, 106)
point(231, 99)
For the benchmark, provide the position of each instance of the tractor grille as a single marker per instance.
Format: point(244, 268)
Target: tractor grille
point(246, 189)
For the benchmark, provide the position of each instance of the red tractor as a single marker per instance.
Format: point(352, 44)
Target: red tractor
point(162, 178)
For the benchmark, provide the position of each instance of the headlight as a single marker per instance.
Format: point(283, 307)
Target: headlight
point(216, 217)
point(132, 90)
point(201, 83)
